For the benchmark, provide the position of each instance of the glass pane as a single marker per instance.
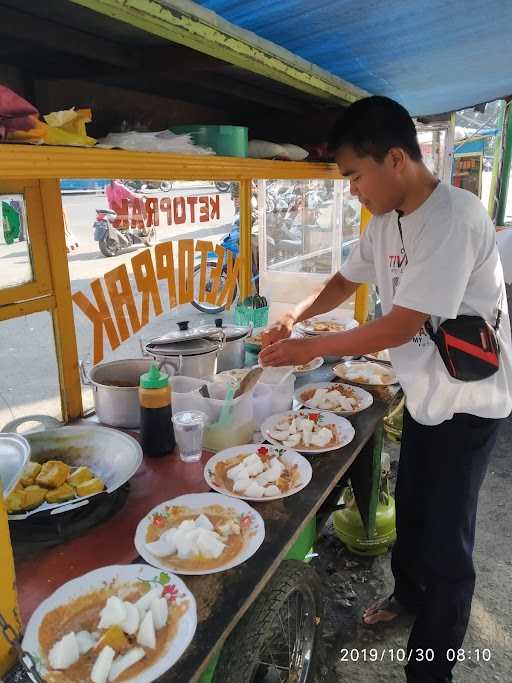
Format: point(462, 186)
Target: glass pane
point(28, 367)
point(300, 223)
point(145, 213)
point(16, 268)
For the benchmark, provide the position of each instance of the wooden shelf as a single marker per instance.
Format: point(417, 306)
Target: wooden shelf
point(40, 162)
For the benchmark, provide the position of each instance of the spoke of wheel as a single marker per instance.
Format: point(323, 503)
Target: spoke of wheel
point(287, 639)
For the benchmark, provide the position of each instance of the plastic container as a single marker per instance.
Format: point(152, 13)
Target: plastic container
point(156, 429)
point(244, 315)
point(226, 141)
point(282, 394)
point(262, 403)
point(239, 431)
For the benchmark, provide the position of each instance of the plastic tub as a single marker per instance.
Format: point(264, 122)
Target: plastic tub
point(226, 141)
point(240, 429)
point(282, 395)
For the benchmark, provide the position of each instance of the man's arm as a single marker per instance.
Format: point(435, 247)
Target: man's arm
point(331, 294)
point(394, 329)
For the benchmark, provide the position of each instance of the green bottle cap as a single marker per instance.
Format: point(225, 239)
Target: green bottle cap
point(154, 379)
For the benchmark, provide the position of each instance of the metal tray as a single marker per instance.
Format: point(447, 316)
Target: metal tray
point(112, 455)
point(14, 455)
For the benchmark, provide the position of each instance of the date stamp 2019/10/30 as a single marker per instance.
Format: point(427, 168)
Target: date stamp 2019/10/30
point(403, 656)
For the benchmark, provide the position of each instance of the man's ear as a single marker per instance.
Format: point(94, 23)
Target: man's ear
point(397, 158)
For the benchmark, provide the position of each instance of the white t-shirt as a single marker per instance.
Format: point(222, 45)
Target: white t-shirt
point(450, 266)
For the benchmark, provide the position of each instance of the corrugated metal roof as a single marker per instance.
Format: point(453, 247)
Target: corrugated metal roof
point(433, 57)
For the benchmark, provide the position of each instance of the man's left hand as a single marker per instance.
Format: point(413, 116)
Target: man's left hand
point(289, 352)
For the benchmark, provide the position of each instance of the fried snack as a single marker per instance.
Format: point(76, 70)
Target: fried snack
point(30, 472)
point(88, 488)
point(115, 638)
point(80, 475)
point(33, 496)
point(60, 495)
point(53, 474)
point(14, 502)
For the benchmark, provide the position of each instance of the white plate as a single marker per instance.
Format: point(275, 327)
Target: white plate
point(387, 373)
point(289, 455)
point(307, 326)
point(365, 398)
point(309, 367)
point(344, 429)
point(122, 573)
point(197, 501)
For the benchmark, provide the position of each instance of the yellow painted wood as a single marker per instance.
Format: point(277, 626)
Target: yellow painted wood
point(204, 32)
point(8, 597)
point(17, 310)
point(63, 321)
point(363, 291)
point(41, 278)
point(28, 161)
point(245, 239)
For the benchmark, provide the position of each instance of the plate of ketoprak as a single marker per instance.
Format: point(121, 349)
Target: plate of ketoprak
point(258, 472)
point(116, 623)
point(308, 431)
point(343, 399)
point(199, 533)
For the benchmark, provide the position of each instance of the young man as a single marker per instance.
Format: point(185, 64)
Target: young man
point(431, 250)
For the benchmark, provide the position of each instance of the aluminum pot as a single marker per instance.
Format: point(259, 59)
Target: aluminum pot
point(232, 354)
point(195, 358)
point(195, 355)
point(115, 389)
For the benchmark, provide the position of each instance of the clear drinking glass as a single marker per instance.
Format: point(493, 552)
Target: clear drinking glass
point(188, 430)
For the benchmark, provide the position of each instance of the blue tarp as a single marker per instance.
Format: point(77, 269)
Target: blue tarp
point(433, 56)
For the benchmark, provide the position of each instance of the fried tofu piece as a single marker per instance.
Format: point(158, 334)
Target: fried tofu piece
point(114, 638)
point(88, 488)
point(14, 502)
point(19, 486)
point(30, 473)
point(53, 474)
point(80, 475)
point(33, 496)
point(60, 495)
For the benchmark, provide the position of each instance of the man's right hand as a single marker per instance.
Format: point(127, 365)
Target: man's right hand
point(282, 329)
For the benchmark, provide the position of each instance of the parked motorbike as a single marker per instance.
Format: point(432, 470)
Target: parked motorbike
point(112, 241)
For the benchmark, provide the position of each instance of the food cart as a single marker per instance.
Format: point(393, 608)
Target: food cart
point(237, 609)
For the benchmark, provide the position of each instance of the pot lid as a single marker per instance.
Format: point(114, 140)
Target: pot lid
point(232, 332)
point(184, 347)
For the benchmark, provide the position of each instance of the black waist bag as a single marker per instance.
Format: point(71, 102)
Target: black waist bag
point(468, 345)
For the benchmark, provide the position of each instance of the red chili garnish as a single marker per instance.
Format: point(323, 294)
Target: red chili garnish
point(158, 520)
point(263, 453)
point(246, 520)
point(314, 417)
point(170, 593)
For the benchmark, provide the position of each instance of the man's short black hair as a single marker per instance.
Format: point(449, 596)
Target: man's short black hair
point(372, 126)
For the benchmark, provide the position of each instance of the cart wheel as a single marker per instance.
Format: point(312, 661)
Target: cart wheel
point(278, 637)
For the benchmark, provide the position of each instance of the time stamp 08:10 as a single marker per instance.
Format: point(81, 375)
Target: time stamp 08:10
point(400, 655)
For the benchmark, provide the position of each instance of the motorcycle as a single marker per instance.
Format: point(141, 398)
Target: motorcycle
point(112, 241)
point(231, 243)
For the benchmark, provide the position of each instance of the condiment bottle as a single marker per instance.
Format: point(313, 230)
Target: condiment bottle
point(156, 428)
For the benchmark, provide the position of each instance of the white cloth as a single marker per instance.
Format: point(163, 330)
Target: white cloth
point(504, 241)
point(450, 266)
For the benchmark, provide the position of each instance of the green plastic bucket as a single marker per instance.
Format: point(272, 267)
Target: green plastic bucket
point(226, 141)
